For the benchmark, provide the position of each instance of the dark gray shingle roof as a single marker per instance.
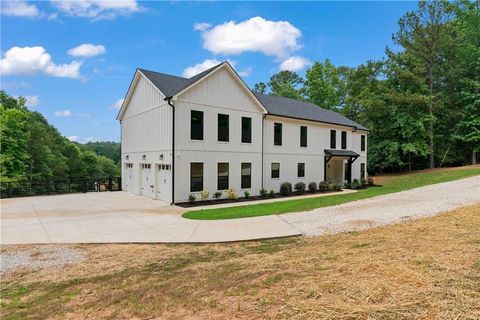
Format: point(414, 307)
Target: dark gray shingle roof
point(291, 108)
point(341, 153)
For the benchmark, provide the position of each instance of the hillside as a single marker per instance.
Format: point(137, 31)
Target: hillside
point(34, 150)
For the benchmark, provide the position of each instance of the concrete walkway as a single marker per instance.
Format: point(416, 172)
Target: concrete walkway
point(121, 217)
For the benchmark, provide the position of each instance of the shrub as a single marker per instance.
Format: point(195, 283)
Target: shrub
point(191, 198)
point(312, 187)
point(323, 186)
point(363, 182)
point(272, 194)
point(355, 184)
point(286, 189)
point(337, 187)
point(217, 195)
point(263, 193)
point(231, 194)
point(300, 187)
point(330, 186)
point(204, 194)
point(370, 182)
point(246, 194)
point(347, 185)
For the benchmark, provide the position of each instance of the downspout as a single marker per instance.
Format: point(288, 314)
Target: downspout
point(263, 138)
point(173, 148)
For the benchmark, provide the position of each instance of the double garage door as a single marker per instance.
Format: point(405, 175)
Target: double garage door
point(155, 181)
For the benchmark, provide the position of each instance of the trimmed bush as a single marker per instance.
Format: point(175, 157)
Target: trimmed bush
point(300, 187)
point(246, 194)
point(355, 184)
point(204, 194)
point(191, 198)
point(272, 194)
point(363, 182)
point(231, 194)
point(286, 189)
point(217, 195)
point(323, 186)
point(370, 182)
point(312, 187)
point(263, 193)
point(337, 187)
point(330, 186)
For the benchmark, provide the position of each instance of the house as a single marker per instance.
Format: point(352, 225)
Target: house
point(211, 132)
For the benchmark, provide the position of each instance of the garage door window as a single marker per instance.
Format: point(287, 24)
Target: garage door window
point(196, 176)
point(145, 166)
point(128, 165)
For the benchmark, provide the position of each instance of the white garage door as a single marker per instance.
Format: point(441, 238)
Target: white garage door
point(129, 179)
point(147, 183)
point(164, 182)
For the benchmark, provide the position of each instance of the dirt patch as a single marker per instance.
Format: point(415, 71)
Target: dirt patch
point(427, 268)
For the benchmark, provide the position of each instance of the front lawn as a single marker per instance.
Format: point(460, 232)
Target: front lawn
point(389, 185)
point(423, 269)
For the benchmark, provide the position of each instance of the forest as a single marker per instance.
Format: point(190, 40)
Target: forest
point(421, 103)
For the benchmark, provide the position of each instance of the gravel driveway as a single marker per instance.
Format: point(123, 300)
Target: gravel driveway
point(391, 208)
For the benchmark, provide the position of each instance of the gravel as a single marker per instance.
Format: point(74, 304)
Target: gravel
point(38, 258)
point(395, 207)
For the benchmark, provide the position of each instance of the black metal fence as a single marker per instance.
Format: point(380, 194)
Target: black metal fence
point(32, 188)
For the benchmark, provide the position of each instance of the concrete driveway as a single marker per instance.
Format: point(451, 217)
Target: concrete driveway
point(121, 217)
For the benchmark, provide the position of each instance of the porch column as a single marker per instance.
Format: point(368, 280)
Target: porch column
point(349, 178)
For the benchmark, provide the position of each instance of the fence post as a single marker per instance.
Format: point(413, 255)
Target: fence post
point(119, 181)
point(110, 183)
point(84, 186)
point(9, 189)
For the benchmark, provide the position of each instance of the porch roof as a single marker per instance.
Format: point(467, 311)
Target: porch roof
point(341, 153)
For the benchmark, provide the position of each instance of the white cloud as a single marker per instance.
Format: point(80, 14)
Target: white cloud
point(97, 9)
point(199, 67)
point(19, 8)
point(272, 38)
point(32, 60)
point(32, 101)
point(246, 72)
point(201, 26)
point(73, 138)
point(87, 50)
point(295, 63)
point(63, 113)
point(118, 104)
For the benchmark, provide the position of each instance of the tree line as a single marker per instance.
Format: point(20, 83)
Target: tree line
point(421, 103)
point(34, 150)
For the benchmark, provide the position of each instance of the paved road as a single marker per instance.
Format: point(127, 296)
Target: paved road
point(125, 218)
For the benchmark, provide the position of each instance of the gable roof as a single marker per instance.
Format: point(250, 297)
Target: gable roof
point(171, 85)
point(291, 108)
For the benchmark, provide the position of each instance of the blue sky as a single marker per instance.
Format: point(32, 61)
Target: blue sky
point(75, 60)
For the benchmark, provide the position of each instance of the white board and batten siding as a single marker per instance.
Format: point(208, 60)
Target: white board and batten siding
point(146, 139)
point(220, 93)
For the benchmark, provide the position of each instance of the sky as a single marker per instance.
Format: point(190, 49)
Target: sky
point(74, 60)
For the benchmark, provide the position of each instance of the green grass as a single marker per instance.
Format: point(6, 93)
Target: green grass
point(391, 185)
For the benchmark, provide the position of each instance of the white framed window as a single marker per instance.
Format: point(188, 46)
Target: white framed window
point(128, 165)
point(145, 166)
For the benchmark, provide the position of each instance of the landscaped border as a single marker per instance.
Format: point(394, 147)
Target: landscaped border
point(391, 185)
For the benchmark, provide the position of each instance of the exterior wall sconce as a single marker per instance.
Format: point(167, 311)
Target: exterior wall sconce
point(144, 157)
point(161, 157)
point(127, 157)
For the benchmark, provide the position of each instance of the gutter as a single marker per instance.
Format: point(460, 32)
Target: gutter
point(168, 99)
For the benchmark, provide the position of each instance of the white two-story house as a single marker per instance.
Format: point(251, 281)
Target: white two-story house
point(211, 132)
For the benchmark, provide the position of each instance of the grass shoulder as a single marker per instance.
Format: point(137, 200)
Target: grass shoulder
point(390, 184)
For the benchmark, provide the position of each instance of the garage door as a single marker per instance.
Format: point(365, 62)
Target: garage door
point(128, 179)
point(163, 180)
point(147, 183)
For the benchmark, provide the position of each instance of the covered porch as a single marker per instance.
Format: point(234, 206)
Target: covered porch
point(337, 165)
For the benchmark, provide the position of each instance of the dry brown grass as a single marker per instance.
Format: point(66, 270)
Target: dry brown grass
point(426, 269)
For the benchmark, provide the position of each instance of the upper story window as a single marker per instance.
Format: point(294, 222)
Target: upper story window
point(196, 125)
point(333, 139)
point(344, 139)
point(362, 143)
point(196, 176)
point(303, 136)
point(223, 127)
point(246, 130)
point(277, 134)
point(222, 178)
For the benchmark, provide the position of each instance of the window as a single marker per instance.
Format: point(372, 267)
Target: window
point(196, 125)
point(301, 170)
point(277, 134)
point(196, 176)
point(333, 139)
point(246, 130)
point(362, 143)
point(344, 140)
point(223, 125)
point(246, 175)
point(128, 165)
point(303, 136)
point(275, 170)
point(163, 167)
point(144, 166)
point(222, 179)
point(362, 170)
